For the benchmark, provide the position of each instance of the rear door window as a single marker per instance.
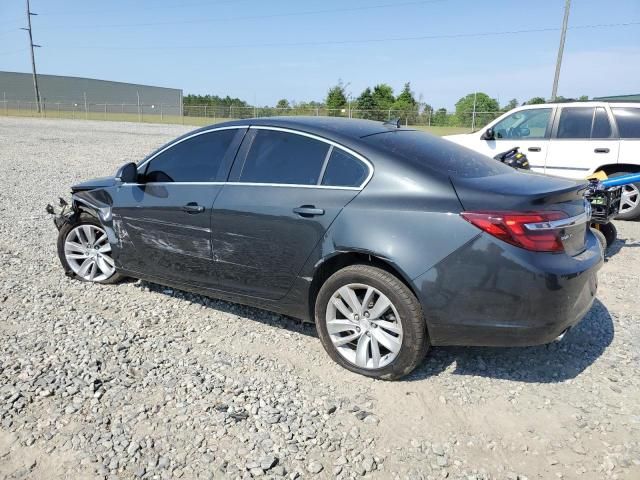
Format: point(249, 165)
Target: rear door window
point(344, 170)
point(575, 123)
point(284, 158)
point(628, 120)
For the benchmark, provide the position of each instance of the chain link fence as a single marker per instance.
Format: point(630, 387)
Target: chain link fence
point(208, 114)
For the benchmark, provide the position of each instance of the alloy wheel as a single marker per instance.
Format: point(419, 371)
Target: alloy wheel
point(630, 198)
point(364, 326)
point(88, 253)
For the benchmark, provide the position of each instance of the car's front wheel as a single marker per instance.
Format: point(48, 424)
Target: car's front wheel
point(85, 252)
point(371, 323)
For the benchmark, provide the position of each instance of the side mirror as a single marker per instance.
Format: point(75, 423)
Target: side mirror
point(127, 173)
point(488, 134)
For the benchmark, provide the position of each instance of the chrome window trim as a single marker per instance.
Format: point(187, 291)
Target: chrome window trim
point(241, 184)
point(331, 143)
point(291, 185)
point(171, 183)
point(364, 160)
point(210, 130)
point(558, 224)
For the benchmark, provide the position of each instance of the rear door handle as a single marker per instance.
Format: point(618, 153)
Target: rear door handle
point(534, 149)
point(601, 150)
point(308, 211)
point(193, 207)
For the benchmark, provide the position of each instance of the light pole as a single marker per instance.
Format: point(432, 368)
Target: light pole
point(563, 36)
point(344, 89)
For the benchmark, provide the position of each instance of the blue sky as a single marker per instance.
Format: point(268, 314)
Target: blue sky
point(265, 50)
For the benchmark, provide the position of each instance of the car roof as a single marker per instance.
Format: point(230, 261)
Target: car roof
point(589, 103)
point(330, 127)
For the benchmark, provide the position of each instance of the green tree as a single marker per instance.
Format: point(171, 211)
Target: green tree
point(535, 101)
point(366, 104)
point(485, 108)
point(336, 99)
point(283, 103)
point(406, 97)
point(440, 117)
point(513, 103)
point(405, 104)
point(427, 111)
point(583, 98)
point(383, 99)
point(222, 107)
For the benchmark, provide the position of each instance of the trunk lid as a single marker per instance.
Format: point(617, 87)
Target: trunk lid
point(531, 192)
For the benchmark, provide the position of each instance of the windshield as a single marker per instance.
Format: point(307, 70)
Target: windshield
point(437, 154)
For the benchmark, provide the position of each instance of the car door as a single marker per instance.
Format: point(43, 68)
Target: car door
point(283, 194)
point(582, 141)
point(164, 221)
point(628, 122)
point(528, 129)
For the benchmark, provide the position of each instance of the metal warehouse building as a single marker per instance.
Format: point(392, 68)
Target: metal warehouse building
point(59, 92)
point(619, 98)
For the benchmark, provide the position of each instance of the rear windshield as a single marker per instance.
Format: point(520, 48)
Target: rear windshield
point(437, 154)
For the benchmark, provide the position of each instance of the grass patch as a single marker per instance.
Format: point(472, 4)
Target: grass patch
point(171, 119)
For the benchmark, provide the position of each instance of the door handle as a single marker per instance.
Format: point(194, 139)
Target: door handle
point(601, 150)
point(534, 149)
point(193, 207)
point(308, 211)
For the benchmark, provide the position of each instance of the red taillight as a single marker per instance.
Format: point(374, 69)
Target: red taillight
point(510, 227)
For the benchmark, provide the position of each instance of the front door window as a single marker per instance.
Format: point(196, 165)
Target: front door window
point(525, 124)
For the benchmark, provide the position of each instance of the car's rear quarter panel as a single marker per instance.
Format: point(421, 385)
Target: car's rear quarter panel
point(490, 293)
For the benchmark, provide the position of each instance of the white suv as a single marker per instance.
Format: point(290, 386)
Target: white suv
point(572, 140)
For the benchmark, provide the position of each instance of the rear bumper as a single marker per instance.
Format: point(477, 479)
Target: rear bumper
point(490, 293)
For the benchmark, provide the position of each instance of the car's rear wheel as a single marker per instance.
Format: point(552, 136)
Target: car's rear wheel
point(85, 252)
point(630, 201)
point(602, 240)
point(610, 233)
point(371, 323)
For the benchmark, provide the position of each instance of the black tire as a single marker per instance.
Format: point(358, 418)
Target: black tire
point(415, 340)
point(601, 238)
point(75, 221)
point(610, 233)
point(631, 213)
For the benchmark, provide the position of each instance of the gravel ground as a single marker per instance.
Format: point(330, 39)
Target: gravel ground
point(140, 381)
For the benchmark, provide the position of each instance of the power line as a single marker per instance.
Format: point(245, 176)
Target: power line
point(33, 58)
point(258, 17)
point(180, 5)
point(6, 22)
point(11, 52)
point(357, 41)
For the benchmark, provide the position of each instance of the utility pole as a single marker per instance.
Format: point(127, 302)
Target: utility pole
point(473, 116)
point(563, 36)
point(33, 58)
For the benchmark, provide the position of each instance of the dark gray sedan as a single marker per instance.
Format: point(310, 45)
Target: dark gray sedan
point(389, 239)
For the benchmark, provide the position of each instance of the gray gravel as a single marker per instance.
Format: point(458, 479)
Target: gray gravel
point(141, 381)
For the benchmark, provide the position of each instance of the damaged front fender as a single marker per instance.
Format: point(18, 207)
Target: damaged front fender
point(96, 203)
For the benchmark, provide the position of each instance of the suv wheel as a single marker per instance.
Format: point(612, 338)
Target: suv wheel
point(630, 201)
point(371, 323)
point(85, 252)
